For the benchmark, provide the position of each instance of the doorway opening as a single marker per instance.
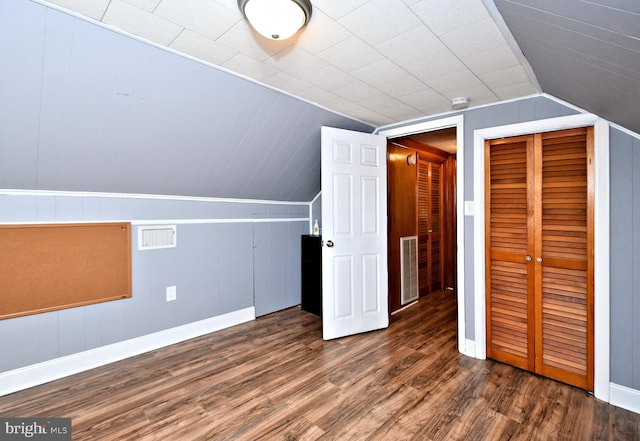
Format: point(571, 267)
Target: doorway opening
point(465, 345)
point(421, 183)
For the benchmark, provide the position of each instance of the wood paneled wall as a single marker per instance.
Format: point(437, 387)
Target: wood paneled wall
point(449, 216)
point(402, 180)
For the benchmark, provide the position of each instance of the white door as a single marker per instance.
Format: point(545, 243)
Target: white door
point(354, 232)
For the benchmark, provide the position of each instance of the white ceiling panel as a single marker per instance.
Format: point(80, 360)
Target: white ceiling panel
point(403, 110)
point(356, 91)
point(337, 9)
point(243, 39)
point(284, 81)
point(145, 5)
point(202, 16)
point(443, 17)
point(474, 38)
point(231, 5)
point(401, 85)
point(331, 78)
point(380, 72)
point(91, 8)
point(316, 94)
point(351, 54)
point(203, 48)
point(249, 67)
point(412, 46)
point(492, 60)
point(435, 66)
point(513, 90)
point(500, 78)
point(380, 20)
point(141, 23)
point(450, 83)
point(427, 101)
point(322, 33)
point(297, 62)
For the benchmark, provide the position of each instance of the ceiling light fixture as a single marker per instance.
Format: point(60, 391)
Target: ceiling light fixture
point(276, 19)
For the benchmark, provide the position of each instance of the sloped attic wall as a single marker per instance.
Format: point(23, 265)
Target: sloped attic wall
point(85, 108)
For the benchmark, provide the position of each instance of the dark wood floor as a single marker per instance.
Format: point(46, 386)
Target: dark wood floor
point(275, 378)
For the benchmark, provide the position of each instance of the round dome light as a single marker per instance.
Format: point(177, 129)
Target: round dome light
point(276, 19)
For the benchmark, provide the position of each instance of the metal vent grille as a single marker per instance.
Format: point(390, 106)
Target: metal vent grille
point(408, 269)
point(154, 237)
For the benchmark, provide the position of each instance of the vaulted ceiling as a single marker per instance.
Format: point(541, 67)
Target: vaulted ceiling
point(385, 61)
point(380, 61)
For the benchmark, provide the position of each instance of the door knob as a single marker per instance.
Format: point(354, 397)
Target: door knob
point(330, 244)
point(528, 258)
point(539, 259)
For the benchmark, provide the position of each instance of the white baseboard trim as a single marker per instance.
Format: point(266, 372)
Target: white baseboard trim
point(40, 373)
point(624, 397)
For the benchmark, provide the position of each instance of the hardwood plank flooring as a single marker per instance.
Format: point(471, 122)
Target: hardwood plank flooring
point(275, 378)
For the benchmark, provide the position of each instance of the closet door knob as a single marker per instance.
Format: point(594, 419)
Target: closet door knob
point(528, 258)
point(539, 259)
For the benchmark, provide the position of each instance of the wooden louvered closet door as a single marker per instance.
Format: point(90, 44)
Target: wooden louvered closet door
point(509, 239)
point(540, 254)
point(429, 226)
point(564, 284)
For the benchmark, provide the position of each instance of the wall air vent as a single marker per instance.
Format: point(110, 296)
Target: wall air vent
point(408, 269)
point(156, 236)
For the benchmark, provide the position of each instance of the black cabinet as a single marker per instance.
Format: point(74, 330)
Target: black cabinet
point(311, 298)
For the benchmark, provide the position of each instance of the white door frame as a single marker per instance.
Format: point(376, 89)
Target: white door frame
point(464, 346)
point(601, 233)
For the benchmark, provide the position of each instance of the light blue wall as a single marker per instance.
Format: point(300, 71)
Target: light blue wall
point(625, 259)
point(232, 253)
point(316, 212)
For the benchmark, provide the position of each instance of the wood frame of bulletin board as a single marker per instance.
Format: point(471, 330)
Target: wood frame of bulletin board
point(47, 267)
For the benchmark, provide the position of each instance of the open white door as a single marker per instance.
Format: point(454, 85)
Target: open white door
point(354, 232)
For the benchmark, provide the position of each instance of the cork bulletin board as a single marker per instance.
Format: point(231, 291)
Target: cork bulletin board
point(55, 266)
